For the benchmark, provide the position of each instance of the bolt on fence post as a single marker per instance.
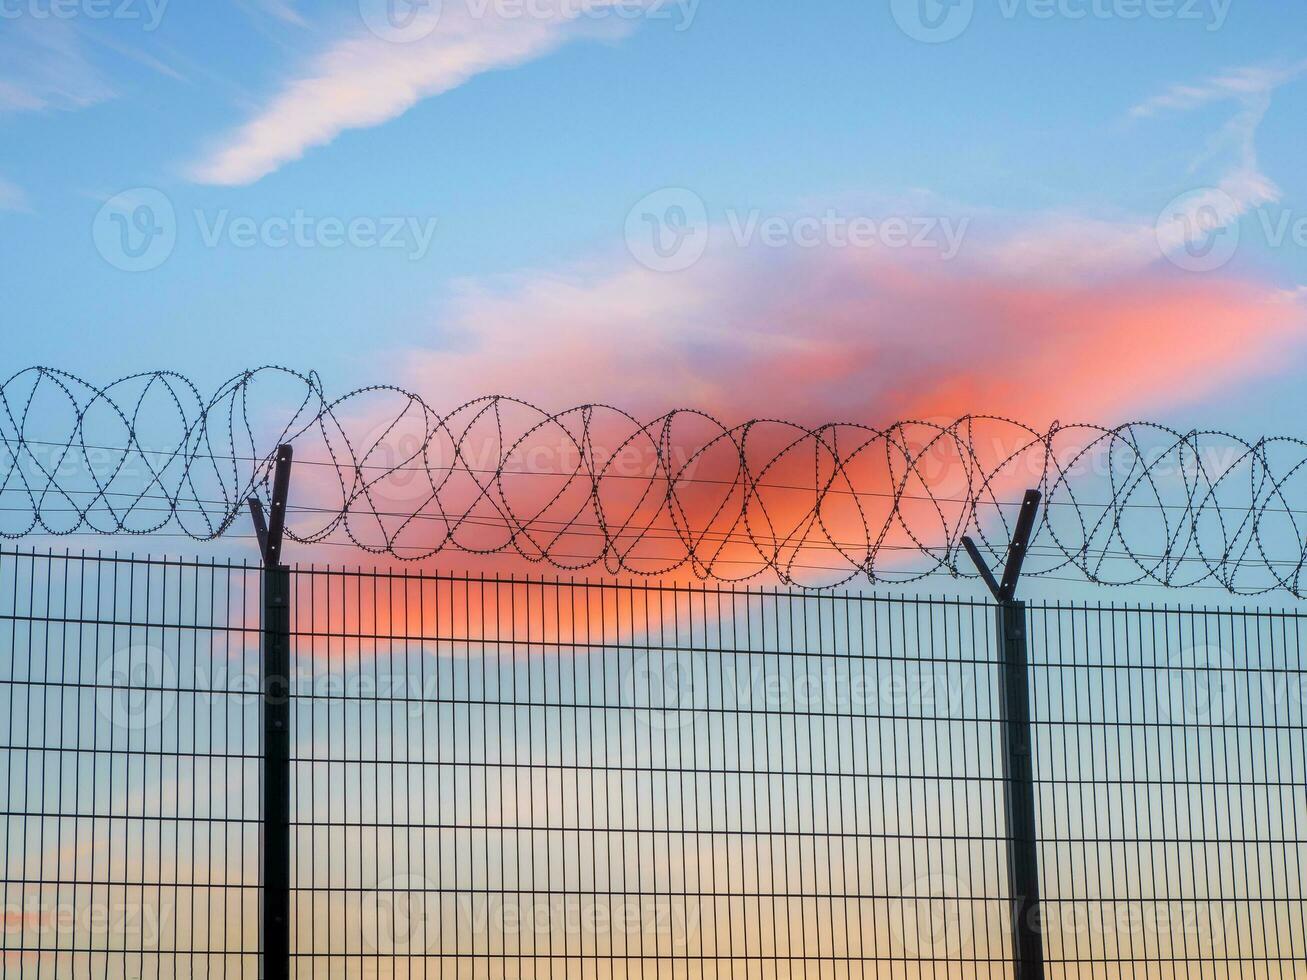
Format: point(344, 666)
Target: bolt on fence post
point(274, 775)
point(1018, 758)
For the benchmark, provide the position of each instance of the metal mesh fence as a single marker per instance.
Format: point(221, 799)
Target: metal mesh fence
point(1172, 786)
point(498, 778)
point(129, 767)
point(564, 780)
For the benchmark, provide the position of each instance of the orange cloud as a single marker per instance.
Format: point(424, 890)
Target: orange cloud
point(871, 337)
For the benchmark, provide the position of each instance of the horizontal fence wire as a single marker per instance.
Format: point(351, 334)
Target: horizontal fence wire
point(1171, 779)
point(129, 767)
point(525, 778)
point(537, 779)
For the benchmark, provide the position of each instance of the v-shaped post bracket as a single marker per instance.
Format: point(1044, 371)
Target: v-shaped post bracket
point(1006, 591)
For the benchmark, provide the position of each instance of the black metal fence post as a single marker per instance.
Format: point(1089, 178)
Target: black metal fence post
point(274, 775)
point(1018, 759)
point(1019, 792)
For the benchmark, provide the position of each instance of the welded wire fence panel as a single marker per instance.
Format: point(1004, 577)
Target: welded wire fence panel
point(499, 779)
point(1171, 771)
point(128, 767)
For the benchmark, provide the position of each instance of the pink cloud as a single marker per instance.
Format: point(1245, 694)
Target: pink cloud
point(1055, 318)
point(865, 335)
point(869, 337)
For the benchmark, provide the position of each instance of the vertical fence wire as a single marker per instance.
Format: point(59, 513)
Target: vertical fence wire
point(510, 778)
point(513, 778)
point(129, 767)
point(1171, 766)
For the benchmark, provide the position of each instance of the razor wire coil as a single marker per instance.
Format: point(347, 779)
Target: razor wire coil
point(594, 487)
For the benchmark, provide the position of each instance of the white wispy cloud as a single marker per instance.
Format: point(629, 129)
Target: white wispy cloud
point(1225, 183)
point(1237, 184)
point(1233, 149)
point(365, 79)
point(282, 10)
point(45, 67)
point(1245, 84)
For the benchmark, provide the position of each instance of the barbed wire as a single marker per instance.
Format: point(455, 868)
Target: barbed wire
point(593, 487)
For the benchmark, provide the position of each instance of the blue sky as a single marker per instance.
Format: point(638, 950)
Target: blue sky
point(1088, 210)
point(533, 166)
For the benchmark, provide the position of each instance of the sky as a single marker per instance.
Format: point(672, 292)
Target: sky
point(496, 154)
point(1074, 210)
